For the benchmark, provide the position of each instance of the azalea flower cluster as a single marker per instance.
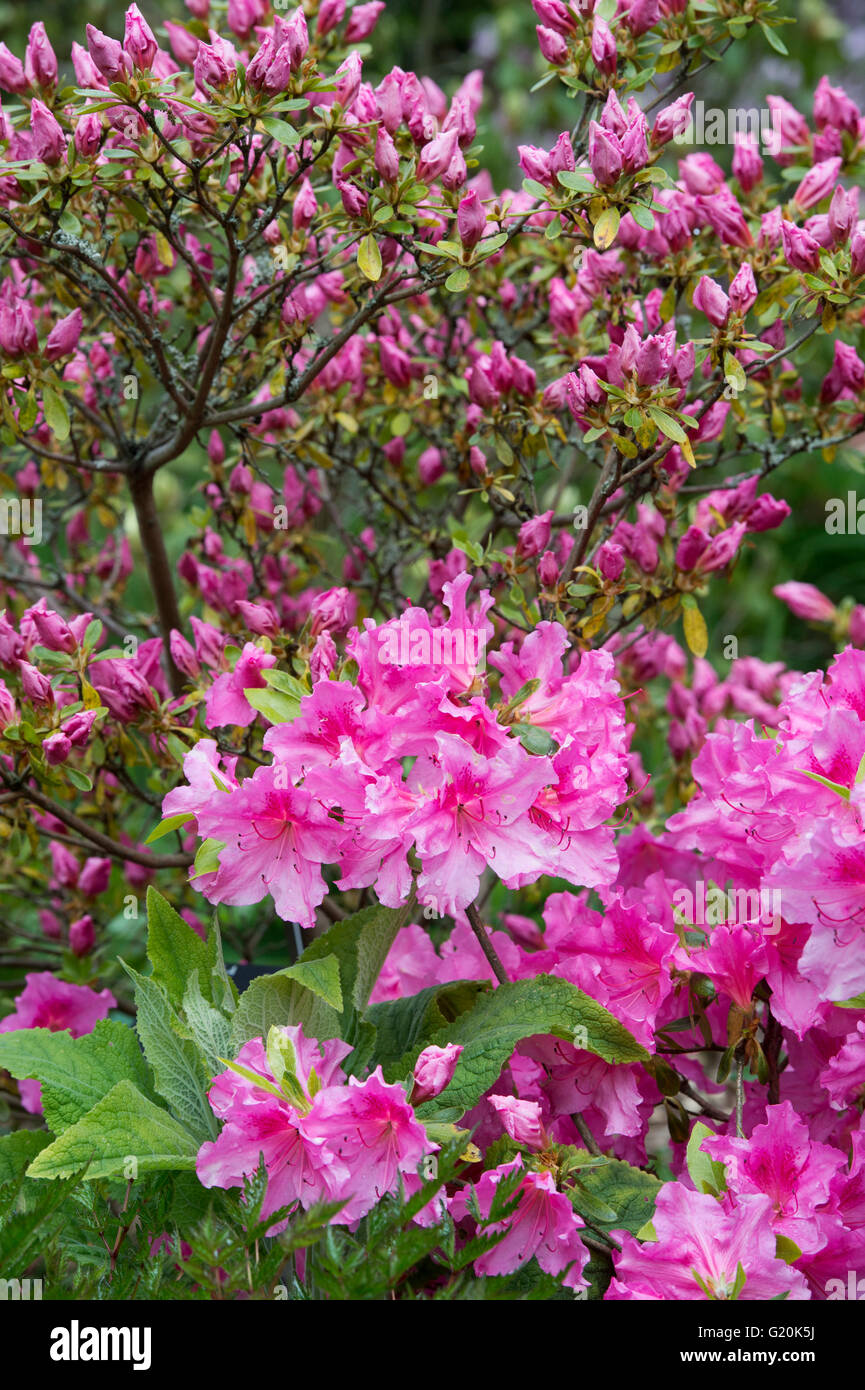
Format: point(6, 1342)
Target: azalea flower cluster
point(474, 797)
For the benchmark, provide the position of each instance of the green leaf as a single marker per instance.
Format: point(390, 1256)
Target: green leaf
point(358, 946)
point(17, 1151)
point(458, 280)
point(628, 1192)
point(490, 1031)
point(166, 826)
point(578, 183)
point(56, 413)
point(369, 258)
point(667, 425)
point(275, 705)
point(281, 130)
point(705, 1173)
point(175, 950)
point(124, 1125)
point(404, 1025)
point(696, 632)
point(75, 1072)
point(606, 228)
point(179, 1070)
point(209, 1029)
point(534, 739)
point(321, 977)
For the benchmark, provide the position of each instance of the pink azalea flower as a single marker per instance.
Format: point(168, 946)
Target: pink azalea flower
point(275, 838)
point(544, 1225)
point(702, 1245)
point(781, 1160)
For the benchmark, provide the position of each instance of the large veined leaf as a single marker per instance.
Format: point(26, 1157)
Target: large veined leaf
point(175, 950)
point(627, 1193)
point(490, 1031)
point(403, 1025)
point(75, 1072)
point(180, 1072)
point(124, 1134)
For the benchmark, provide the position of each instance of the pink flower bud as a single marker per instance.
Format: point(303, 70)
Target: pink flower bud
point(857, 626)
point(747, 163)
point(348, 76)
point(605, 155)
point(611, 560)
point(295, 34)
point(108, 55)
point(184, 45)
point(691, 547)
point(471, 219)
point(817, 183)
point(332, 610)
point(63, 338)
point(138, 40)
point(386, 157)
point(534, 535)
point(8, 708)
point(641, 15)
point(711, 300)
point(833, 107)
point(88, 134)
point(183, 655)
point(12, 74)
point(743, 289)
point(211, 68)
point(56, 748)
point(801, 250)
point(40, 60)
point(535, 163)
point(553, 46)
point(548, 570)
point(843, 213)
point(433, 1071)
point(94, 877)
point(50, 925)
point(17, 330)
point(79, 727)
point(51, 629)
point(857, 253)
point(806, 601)
point(436, 156)
point(673, 120)
point(36, 687)
point(605, 54)
point(330, 14)
point(49, 142)
point(521, 1119)
point(430, 466)
point(554, 14)
point(362, 21)
point(354, 200)
point(82, 936)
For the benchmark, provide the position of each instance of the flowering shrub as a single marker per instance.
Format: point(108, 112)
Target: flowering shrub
point(556, 933)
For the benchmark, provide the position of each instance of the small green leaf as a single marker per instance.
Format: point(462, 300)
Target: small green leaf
point(369, 258)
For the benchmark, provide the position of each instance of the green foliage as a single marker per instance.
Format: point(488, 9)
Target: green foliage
point(490, 1031)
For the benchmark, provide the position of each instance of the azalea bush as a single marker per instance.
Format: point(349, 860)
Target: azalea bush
point(407, 892)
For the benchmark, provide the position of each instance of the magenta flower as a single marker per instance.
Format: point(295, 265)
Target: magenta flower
point(544, 1225)
point(704, 1248)
point(434, 1070)
point(46, 1002)
point(806, 601)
